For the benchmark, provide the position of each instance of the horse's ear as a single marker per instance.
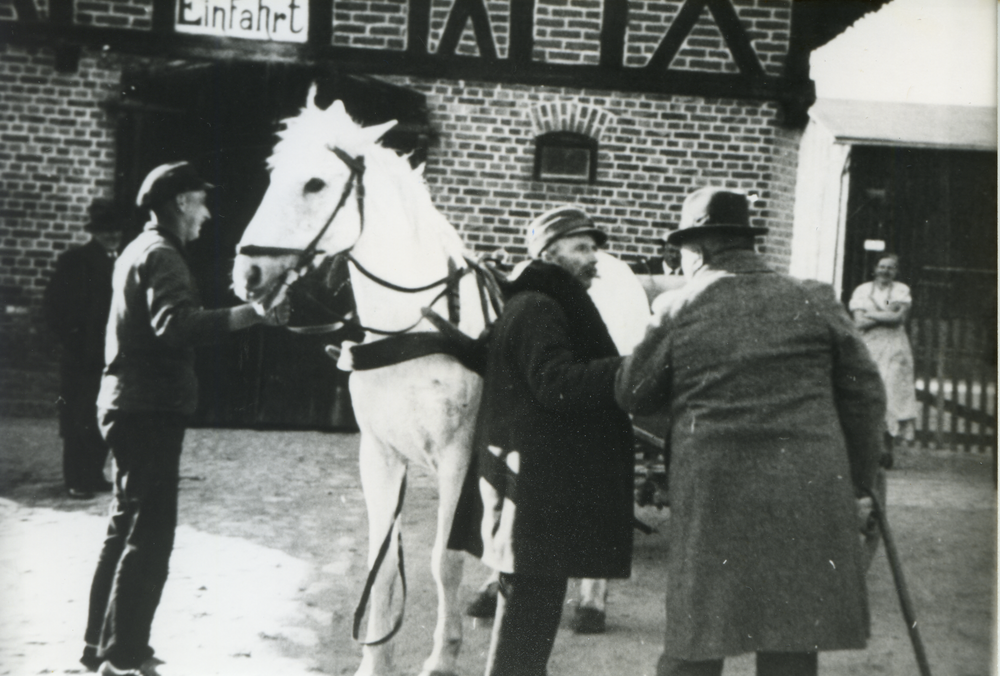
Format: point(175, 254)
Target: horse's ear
point(419, 170)
point(311, 98)
point(373, 134)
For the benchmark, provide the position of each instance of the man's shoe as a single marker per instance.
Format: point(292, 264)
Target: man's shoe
point(147, 668)
point(484, 605)
point(80, 494)
point(587, 620)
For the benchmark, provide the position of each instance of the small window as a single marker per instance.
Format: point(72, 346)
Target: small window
point(565, 156)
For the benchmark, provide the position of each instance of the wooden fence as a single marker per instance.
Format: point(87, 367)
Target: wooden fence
point(956, 382)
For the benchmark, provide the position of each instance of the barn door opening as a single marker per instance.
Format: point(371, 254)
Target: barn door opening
point(223, 117)
point(937, 210)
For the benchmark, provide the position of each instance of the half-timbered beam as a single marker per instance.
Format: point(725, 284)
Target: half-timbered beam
point(614, 24)
point(752, 82)
point(461, 12)
point(164, 13)
point(320, 33)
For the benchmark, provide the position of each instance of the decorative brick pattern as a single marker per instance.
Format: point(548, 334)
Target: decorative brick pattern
point(569, 116)
point(653, 151)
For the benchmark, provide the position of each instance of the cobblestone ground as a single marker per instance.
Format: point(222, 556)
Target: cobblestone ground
point(270, 560)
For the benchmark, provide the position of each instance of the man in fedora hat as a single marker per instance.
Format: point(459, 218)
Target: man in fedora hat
point(775, 412)
point(147, 393)
point(75, 305)
point(554, 452)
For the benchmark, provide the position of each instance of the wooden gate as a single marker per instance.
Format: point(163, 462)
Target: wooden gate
point(936, 209)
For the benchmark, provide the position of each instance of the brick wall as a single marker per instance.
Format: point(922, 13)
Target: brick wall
point(653, 150)
point(56, 155)
point(57, 146)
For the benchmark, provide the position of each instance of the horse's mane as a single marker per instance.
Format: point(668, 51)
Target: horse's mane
point(332, 127)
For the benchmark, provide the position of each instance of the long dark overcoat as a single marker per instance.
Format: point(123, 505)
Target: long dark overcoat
point(776, 418)
point(76, 306)
point(554, 452)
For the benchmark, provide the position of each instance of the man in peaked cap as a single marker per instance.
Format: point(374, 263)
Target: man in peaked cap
point(554, 452)
point(76, 304)
point(148, 392)
point(775, 422)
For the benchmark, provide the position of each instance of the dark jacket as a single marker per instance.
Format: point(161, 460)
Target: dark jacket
point(776, 417)
point(76, 305)
point(555, 454)
point(156, 320)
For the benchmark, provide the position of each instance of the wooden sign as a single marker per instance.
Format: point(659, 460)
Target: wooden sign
point(278, 20)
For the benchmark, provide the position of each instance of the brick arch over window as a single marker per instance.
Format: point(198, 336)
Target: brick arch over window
point(570, 116)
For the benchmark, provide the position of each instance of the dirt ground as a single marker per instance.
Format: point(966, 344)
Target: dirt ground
point(270, 560)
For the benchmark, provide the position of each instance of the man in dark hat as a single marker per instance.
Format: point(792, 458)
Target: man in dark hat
point(147, 393)
point(75, 306)
point(554, 452)
point(775, 421)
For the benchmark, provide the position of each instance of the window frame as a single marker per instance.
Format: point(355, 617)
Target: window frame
point(568, 140)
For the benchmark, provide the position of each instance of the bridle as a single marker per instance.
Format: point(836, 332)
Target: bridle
point(355, 183)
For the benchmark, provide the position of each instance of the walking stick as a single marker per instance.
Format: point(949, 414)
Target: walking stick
point(904, 595)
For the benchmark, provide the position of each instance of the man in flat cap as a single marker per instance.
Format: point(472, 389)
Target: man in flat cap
point(76, 304)
point(147, 394)
point(554, 452)
point(775, 412)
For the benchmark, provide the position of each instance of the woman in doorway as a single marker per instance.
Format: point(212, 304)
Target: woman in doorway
point(880, 309)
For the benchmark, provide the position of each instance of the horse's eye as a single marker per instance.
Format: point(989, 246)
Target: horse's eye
point(314, 185)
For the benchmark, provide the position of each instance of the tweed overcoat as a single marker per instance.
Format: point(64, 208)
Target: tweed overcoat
point(775, 410)
point(554, 453)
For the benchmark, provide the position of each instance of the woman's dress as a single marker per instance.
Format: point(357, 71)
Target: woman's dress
point(890, 348)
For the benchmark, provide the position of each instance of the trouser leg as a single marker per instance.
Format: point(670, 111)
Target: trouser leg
point(107, 564)
point(669, 666)
point(73, 462)
point(528, 613)
point(787, 664)
point(140, 537)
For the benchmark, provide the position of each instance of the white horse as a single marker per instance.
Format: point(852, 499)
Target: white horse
point(401, 250)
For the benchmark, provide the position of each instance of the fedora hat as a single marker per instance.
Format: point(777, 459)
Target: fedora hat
point(714, 211)
point(101, 217)
point(558, 223)
point(169, 180)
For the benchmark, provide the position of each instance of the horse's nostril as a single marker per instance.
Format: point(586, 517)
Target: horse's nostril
point(254, 276)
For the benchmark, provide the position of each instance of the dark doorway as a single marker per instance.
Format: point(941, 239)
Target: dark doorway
point(936, 209)
point(223, 117)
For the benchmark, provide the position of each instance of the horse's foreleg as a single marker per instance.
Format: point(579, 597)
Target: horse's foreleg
point(446, 567)
point(382, 472)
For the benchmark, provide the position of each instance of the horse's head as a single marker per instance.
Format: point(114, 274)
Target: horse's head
point(310, 169)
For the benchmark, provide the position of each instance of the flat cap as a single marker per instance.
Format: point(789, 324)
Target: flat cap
point(169, 180)
point(714, 211)
point(565, 221)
